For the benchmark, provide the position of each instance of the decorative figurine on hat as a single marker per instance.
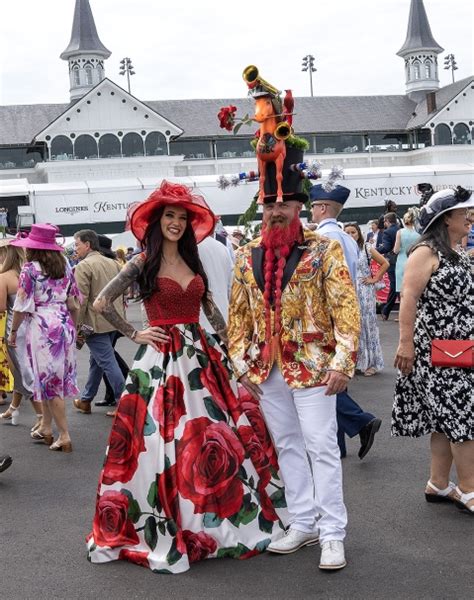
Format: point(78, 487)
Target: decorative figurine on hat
point(279, 152)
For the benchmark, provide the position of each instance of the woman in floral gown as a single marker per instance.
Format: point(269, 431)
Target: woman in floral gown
point(190, 471)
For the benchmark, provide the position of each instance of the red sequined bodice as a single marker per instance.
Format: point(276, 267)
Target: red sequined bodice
point(171, 304)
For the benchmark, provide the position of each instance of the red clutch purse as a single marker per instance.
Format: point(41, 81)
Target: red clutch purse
point(452, 353)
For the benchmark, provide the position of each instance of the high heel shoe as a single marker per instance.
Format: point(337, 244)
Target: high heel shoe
point(37, 425)
point(46, 438)
point(58, 447)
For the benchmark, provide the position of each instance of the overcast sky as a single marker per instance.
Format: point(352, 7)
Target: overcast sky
point(198, 48)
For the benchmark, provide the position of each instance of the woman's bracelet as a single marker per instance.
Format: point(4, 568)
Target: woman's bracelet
point(134, 334)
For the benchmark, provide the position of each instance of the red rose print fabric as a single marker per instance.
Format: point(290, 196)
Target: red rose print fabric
point(190, 471)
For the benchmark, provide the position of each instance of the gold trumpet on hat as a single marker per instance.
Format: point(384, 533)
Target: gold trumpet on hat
point(256, 84)
point(283, 130)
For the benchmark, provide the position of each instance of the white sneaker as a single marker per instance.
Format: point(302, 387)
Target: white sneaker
point(332, 555)
point(292, 541)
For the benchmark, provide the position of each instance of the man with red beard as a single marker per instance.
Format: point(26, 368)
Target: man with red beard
point(293, 337)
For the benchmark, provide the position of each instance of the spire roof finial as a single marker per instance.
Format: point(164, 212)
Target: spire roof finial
point(419, 36)
point(84, 36)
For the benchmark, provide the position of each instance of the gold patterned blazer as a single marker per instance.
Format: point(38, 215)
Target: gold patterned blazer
point(320, 314)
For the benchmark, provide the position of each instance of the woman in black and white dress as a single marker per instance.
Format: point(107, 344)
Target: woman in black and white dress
point(437, 303)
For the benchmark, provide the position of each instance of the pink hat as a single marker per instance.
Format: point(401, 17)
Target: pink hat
point(41, 237)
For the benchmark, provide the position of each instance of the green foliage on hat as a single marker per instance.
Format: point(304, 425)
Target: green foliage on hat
point(250, 214)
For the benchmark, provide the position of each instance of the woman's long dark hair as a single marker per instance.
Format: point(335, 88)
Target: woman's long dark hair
point(53, 263)
point(438, 239)
point(153, 244)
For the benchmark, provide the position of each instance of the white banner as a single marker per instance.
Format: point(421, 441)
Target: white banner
point(107, 204)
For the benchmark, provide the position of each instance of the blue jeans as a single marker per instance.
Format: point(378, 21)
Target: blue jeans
point(350, 419)
point(102, 360)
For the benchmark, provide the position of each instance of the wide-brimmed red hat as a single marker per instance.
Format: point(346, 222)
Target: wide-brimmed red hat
point(173, 194)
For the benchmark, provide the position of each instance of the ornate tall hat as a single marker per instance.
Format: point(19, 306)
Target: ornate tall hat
point(279, 153)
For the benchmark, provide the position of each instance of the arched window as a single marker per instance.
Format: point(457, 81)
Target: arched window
point(461, 134)
point(61, 148)
point(85, 147)
point(132, 145)
point(428, 66)
point(76, 76)
point(443, 135)
point(109, 146)
point(155, 144)
point(88, 70)
point(416, 70)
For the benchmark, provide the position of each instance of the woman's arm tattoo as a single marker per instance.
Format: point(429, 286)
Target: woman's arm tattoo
point(104, 303)
point(216, 319)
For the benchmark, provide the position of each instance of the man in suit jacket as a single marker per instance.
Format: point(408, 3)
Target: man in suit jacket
point(385, 247)
point(293, 335)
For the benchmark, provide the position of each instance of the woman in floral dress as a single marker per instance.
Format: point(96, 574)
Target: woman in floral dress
point(47, 298)
point(190, 471)
point(437, 303)
point(370, 356)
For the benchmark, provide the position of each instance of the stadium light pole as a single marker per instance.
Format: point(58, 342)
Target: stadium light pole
point(308, 65)
point(450, 63)
point(126, 67)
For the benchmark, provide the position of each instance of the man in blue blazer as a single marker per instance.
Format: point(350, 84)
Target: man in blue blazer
point(385, 246)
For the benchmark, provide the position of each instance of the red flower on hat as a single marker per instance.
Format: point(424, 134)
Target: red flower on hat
point(226, 117)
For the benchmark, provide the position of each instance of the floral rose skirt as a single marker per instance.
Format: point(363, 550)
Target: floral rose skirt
point(190, 470)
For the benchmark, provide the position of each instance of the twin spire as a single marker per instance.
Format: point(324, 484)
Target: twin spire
point(420, 52)
point(85, 52)
point(419, 36)
point(84, 36)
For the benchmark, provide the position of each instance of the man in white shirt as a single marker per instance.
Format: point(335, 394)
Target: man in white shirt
point(219, 270)
point(326, 206)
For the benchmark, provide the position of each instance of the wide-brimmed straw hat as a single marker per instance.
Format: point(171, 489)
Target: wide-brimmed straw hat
point(443, 201)
point(173, 194)
point(41, 237)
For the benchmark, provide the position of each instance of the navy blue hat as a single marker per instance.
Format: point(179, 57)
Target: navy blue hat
point(338, 193)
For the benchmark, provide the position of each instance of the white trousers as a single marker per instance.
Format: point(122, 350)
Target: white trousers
point(303, 425)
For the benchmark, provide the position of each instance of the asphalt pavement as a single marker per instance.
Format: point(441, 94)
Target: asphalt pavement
point(397, 546)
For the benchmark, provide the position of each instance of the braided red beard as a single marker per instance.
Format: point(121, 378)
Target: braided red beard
point(277, 238)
